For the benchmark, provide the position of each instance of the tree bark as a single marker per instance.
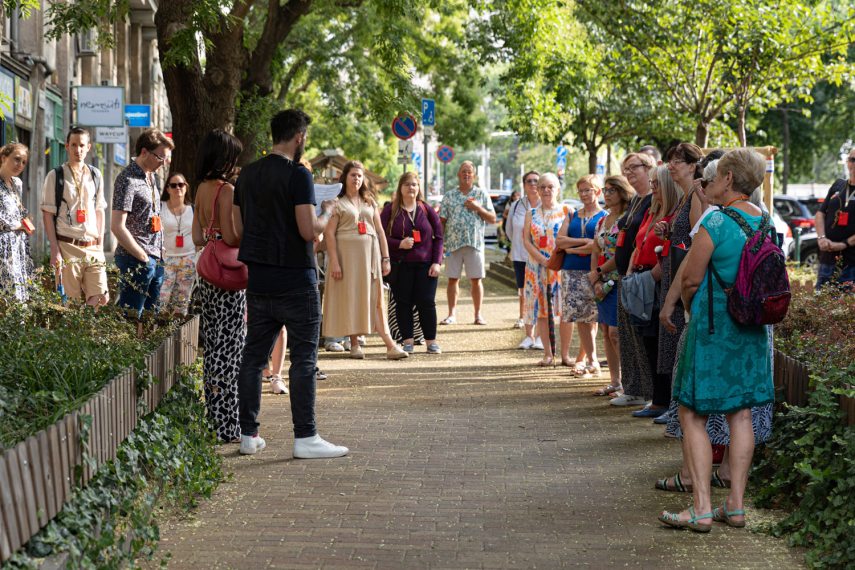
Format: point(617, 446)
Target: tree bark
point(702, 133)
point(740, 125)
point(785, 132)
point(592, 158)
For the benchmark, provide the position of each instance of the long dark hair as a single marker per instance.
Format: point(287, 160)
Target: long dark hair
point(217, 156)
point(366, 192)
point(164, 196)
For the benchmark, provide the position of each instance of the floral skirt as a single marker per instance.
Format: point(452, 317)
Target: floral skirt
point(579, 304)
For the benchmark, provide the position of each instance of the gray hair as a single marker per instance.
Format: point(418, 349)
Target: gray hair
point(710, 170)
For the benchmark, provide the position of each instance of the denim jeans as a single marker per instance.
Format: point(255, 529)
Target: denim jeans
point(139, 283)
point(299, 311)
point(826, 271)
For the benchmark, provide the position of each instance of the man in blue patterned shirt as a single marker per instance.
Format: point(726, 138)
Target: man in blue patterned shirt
point(465, 213)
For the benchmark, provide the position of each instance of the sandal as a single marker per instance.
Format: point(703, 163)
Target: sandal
point(721, 514)
point(449, 320)
point(547, 361)
point(718, 481)
point(673, 520)
point(608, 390)
point(592, 370)
point(479, 321)
point(578, 369)
point(677, 487)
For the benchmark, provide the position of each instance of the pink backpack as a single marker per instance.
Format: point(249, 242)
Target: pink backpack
point(761, 293)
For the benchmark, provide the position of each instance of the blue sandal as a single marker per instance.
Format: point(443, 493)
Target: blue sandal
point(673, 519)
point(721, 514)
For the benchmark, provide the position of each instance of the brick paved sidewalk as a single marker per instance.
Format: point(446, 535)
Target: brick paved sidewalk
point(472, 459)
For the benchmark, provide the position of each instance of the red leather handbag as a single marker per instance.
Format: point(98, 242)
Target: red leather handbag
point(218, 264)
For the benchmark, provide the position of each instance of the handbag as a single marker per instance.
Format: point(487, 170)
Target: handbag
point(219, 264)
point(556, 259)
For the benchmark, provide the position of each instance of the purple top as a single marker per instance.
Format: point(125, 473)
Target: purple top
point(426, 221)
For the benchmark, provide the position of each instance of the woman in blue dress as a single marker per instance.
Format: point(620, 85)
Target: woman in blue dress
point(727, 372)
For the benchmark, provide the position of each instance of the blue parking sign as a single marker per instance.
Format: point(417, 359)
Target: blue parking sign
point(428, 113)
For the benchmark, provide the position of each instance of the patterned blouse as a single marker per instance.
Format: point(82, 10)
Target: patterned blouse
point(16, 265)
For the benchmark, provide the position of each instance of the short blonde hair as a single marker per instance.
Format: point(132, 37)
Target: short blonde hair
point(648, 161)
point(747, 166)
point(590, 179)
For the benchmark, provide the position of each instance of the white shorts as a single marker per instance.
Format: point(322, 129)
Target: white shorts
point(470, 258)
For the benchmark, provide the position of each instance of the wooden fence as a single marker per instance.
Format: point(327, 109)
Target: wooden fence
point(37, 475)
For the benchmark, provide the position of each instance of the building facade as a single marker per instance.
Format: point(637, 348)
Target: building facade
point(39, 78)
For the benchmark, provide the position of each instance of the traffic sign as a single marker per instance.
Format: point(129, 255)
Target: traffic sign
point(405, 151)
point(445, 154)
point(404, 126)
point(428, 113)
point(561, 151)
point(417, 160)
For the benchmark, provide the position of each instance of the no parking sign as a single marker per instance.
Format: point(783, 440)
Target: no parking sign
point(445, 154)
point(404, 126)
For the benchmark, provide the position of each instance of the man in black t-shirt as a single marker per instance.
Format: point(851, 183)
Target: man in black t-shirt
point(275, 199)
point(835, 228)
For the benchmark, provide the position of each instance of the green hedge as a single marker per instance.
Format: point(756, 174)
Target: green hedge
point(808, 468)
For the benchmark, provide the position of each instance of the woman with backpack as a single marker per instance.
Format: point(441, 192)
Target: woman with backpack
point(414, 234)
point(723, 367)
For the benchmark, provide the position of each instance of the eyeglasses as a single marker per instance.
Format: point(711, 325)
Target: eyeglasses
point(177, 185)
point(608, 190)
point(676, 161)
point(584, 190)
point(630, 167)
point(705, 182)
point(851, 159)
point(531, 181)
point(157, 156)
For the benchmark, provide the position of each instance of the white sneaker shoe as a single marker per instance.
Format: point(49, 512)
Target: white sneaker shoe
point(316, 447)
point(277, 386)
point(526, 343)
point(519, 324)
point(251, 444)
point(627, 400)
point(333, 347)
point(538, 344)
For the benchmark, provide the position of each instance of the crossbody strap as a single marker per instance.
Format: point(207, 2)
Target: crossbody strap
point(214, 210)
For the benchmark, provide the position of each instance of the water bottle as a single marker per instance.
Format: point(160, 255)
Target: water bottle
point(607, 287)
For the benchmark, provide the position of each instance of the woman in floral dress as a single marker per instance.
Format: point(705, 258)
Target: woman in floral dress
point(539, 232)
point(16, 266)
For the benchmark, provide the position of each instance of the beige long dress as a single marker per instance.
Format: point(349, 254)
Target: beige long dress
point(349, 301)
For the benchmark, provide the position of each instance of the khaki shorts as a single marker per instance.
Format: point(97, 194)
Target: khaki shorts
point(470, 258)
point(84, 271)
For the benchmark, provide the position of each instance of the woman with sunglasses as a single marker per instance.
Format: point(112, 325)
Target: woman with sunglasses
point(179, 269)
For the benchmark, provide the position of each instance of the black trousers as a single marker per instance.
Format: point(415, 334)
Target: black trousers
point(661, 382)
point(413, 287)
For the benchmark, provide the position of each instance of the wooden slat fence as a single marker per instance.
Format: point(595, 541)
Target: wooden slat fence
point(37, 476)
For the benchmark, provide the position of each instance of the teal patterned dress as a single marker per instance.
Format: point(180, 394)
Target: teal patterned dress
point(731, 369)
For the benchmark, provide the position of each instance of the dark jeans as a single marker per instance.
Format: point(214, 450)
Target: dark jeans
point(825, 274)
point(299, 311)
point(139, 283)
point(413, 287)
point(661, 382)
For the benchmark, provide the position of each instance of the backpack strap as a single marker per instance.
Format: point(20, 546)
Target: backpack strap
point(764, 227)
point(59, 187)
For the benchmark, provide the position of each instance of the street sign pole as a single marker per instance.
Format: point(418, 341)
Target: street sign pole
point(428, 123)
point(425, 165)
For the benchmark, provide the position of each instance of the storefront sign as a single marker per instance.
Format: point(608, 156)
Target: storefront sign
point(100, 106)
point(116, 135)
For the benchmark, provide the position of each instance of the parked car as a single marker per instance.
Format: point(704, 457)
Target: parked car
point(785, 235)
point(809, 256)
point(500, 199)
point(795, 212)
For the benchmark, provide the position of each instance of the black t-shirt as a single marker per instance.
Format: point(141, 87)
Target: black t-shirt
point(637, 207)
point(840, 199)
point(267, 192)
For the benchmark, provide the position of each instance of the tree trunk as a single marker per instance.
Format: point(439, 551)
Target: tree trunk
point(608, 160)
point(592, 158)
point(785, 129)
point(200, 100)
point(740, 125)
point(702, 133)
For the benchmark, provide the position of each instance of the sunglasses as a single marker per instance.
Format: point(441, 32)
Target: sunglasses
point(851, 159)
point(705, 182)
point(177, 185)
point(531, 181)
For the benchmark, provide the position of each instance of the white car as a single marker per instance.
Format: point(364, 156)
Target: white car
point(785, 235)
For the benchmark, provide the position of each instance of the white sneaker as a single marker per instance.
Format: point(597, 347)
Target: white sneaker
point(316, 447)
point(277, 386)
point(333, 347)
point(526, 343)
point(627, 400)
point(538, 344)
point(519, 324)
point(251, 444)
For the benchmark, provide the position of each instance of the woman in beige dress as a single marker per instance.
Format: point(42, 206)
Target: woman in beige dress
point(358, 260)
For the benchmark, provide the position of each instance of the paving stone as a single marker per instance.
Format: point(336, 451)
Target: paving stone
point(472, 459)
